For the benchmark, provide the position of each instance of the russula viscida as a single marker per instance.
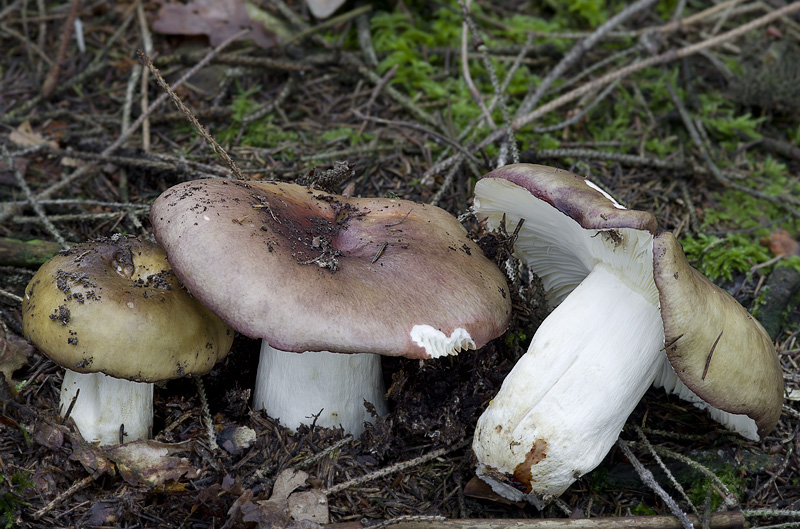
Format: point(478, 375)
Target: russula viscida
point(565, 402)
point(312, 271)
point(115, 316)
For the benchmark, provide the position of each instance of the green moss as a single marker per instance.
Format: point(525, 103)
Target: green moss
point(722, 258)
point(11, 498)
point(598, 479)
point(514, 340)
point(346, 133)
point(641, 509)
point(590, 13)
point(728, 475)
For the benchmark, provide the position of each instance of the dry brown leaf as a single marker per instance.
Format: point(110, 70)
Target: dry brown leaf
point(286, 482)
point(218, 19)
point(781, 243)
point(477, 488)
point(25, 137)
point(151, 463)
point(14, 353)
point(310, 505)
point(92, 458)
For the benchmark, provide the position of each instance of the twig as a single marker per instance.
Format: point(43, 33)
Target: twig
point(9, 295)
point(390, 91)
point(694, 132)
point(346, 153)
point(85, 170)
point(650, 481)
point(397, 467)
point(51, 81)
point(266, 108)
point(20, 37)
point(664, 468)
point(500, 98)
point(578, 115)
point(231, 59)
point(9, 8)
point(448, 181)
point(724, 520)
point(787, 461)
point(408, 518)
point(31, 199)
point(417, 126)
point(380, 86)
point(668, 56)
point(473, 90)
point(577, 51)
point(328, 24)
point(75, 487)
point(365, 40)
point(728, 497)
point(81, 217)
point(216, 147)
point(753, 513)
point(147, 43)
point(319, 455)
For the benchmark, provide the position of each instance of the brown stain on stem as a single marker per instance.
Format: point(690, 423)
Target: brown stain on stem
point(522, 472)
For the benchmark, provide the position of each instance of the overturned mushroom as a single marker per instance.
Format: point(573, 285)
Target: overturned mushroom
point(311, 271)
point(115, 316)
point(563, 405)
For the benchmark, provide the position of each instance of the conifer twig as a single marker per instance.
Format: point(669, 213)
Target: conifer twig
point(216, 147)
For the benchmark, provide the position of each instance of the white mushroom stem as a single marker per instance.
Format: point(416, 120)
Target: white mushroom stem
point(104, 404)
point(295, 387)
point(742, 424)
point(563, 405)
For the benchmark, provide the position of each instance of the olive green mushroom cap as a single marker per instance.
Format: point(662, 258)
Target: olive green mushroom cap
point(313, 271)
point(717, 349)
point(113, 305)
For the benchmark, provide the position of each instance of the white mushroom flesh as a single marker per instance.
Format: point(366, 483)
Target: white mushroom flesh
point(565, 402)
point(104, 404)
point(297, 387)
point(437, 344)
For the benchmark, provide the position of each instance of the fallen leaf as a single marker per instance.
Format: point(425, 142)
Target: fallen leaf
point(151, 463)
point(780, 242)
point(25, 137)
point(266, 514)
point(310, 505)
point(286, 482)
point(47, 435)
point(14, 353)
point(92, 458)
point(218, 19)
point(477, 488)
point(102, 513)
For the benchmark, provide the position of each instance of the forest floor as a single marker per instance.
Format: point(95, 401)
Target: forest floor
point(689, 112)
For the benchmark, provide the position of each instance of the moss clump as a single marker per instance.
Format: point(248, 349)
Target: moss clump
point(722, 258)
point(728, 475)
point(10, 498)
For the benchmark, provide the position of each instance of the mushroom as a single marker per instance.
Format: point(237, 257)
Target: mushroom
point(312, 271)
point(115, 316)
point(617, 290)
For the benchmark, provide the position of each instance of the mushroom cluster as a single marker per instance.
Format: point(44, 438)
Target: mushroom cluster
point(115, 316)
point(310, 271)
point(623, 297)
